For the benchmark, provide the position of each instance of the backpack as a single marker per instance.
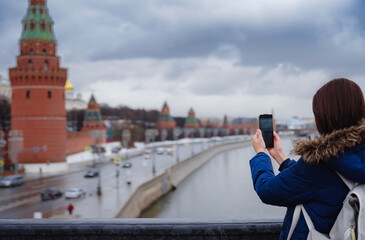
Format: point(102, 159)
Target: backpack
point(350, 222)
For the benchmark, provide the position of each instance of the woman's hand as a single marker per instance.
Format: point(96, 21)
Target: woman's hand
point(258, 142)
point(277, 151)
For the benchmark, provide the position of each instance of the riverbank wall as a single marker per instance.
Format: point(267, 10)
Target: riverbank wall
point(160, 185)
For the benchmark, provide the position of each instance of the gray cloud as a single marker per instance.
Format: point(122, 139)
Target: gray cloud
point(201, 51)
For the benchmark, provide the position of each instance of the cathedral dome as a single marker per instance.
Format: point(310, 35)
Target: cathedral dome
point(69, 86)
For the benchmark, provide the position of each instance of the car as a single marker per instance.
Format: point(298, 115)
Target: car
point(160, 150)
point(11, 181)
point(75, 193)
point(91, 173)
point(170, 150)
point(50, 194)
point(127, 165)
point(116, 149)
point(97, 149)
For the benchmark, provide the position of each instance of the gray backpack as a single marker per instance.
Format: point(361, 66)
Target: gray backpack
point(350, 222)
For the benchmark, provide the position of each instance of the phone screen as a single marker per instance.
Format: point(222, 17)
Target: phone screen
point(266, 127)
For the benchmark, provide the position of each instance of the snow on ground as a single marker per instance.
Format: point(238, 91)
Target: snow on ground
point(139, 148)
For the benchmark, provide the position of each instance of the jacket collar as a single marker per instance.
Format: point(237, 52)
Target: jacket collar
point(328, 146)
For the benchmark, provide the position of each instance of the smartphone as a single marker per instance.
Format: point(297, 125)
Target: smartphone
point(266, 127)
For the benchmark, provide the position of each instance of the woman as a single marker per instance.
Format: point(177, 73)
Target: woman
point(339, 111)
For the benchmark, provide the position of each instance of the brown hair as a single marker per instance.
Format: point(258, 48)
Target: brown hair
point(337, 105)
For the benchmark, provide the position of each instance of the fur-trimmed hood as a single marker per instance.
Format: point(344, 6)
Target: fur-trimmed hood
point(330, 145)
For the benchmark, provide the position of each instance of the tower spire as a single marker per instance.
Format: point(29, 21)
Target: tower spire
point(38, 2)
point(37, 24)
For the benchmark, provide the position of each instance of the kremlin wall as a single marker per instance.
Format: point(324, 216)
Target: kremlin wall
point(38, 112)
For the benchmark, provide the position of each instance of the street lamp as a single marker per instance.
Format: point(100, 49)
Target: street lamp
point(151, 134)
point(201, 134)
point(215, 133)
point(16, 146)
point(192, 133)
point(176, 133)
point(98, 134)
point(2, 140)
point(2, 144)
point(164, 134)
point(126, 137)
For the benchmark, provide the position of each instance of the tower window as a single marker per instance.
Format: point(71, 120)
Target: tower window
point(28, 94)
point(44, 51)
point(43, 26)
point(49, 94)
point(33, 10)
point(31, 51)
point(50, 27)
point(32, 25)
point(41, 11)
point(46, 65)
point(25, 26)
point(30, 62)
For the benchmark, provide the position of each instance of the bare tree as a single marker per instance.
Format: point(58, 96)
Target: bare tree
point(5, 109)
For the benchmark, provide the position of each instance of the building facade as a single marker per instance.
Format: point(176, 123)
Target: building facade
point(5, 89)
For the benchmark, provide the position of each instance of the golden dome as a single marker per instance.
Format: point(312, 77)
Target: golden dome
point(69, 86)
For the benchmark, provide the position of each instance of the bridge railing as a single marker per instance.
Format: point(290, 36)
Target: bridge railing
point(149, 229)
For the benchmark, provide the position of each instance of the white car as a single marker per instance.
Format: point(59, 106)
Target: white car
point(160, 150)
point(75, 193)
point(13, 180)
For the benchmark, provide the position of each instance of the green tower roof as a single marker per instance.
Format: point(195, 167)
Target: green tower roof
point(165, 105)
point(92, 99)
point(37, 24)
point(92, 116)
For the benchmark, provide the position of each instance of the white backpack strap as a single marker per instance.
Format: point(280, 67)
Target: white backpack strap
point(295, 219)
point(299, 208)
point(350, 184)
point(308, 220)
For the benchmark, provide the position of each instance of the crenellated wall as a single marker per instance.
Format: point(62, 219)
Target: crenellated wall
point(77, 141)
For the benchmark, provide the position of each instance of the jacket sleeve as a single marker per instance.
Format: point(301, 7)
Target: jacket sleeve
point(350, 166)
point(290, 187)
point(287, 163)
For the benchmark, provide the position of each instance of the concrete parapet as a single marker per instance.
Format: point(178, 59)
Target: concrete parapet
point(152, 190)
point(146, 229)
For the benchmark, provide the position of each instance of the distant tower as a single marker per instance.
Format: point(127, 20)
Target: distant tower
point(92, 120)
point(191, 122)
point(225, 122)
point(38, 97)
point(165, 121)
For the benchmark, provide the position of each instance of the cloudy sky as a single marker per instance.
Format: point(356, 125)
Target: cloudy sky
point(234, 57)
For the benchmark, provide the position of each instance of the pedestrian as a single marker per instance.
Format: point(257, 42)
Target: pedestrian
point(339, 112)
point(70, 208)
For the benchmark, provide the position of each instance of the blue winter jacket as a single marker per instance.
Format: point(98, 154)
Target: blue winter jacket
point(312, 180)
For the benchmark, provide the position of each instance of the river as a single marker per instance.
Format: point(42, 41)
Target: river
point(222, 188)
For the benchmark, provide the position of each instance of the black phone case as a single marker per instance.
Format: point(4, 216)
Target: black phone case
point(268, 135)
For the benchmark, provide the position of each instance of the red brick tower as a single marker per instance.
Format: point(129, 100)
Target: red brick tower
point(38, 101)
point(92, 119)
point(225, 122)
point(165, 121)
point(191, 121)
